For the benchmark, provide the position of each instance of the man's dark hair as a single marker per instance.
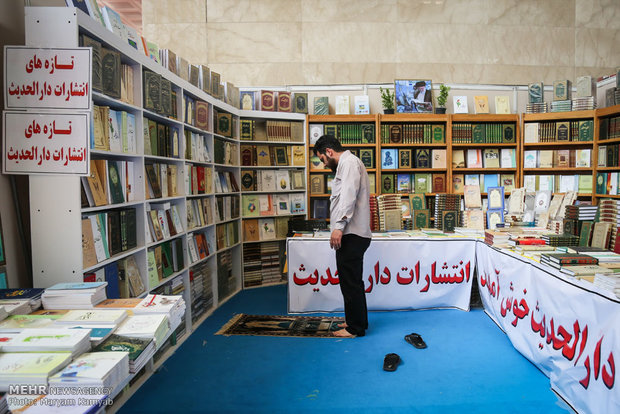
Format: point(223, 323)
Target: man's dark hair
point(327, 141)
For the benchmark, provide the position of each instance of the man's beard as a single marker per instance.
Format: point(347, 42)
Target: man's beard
point(331, 163)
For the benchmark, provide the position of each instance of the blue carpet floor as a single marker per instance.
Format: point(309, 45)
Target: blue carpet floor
point(469, 367)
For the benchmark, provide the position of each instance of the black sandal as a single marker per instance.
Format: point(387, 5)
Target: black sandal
point(391, 361)
point(415, 340)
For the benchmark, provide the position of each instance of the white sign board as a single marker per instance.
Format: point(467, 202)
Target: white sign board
point(55, 143)
point(37, 78)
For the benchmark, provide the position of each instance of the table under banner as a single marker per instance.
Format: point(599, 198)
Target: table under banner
point(567, 327)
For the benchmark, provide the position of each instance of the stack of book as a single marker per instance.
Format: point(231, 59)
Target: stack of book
point(140, 350)
point(536, 108)
point(202, 293)
point(124, 304)
point(74, 341)
point(252, 265)
point(610, 212)
point(270, 262)
point(3, 313)
point(581, 212)
point(604, 256)
point(146, 326)
point(609, 282)
point(389, 212)
point(17, 323)
point(584, 103)
point(94, 369)
point(561, 106)
point(374, 214)
point(20, 301)
point(30, 368)
point(559, 260)
point(171, 306)
point(560, 239)
point(497, 238)
point(447, 212)
point(585, 271)
point(74, 295)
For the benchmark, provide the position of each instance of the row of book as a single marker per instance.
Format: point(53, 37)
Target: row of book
point(163, 260)
point(552, 131)
point(413, 183)
point(226, 278)
point(581, 183)
point(227, 234)
point(266, 130)
point(227, 208)
point(609, 128)
point(413, 133)
point(280, 101)
point(487, 132)
point(107, 234)
point(113, 130)
point(255, 205)
point(484, 158)
point(196, 147)
point(273, 180)
point(560, 158)
point(164, 221)
point(199, 179)
point(225, 152)
point(109, 182)
point(270, 155)
point(199, 246)
point(392, 158)
point(607, 183)
point(161, 139)
point(609, 155)
point(162, 180)
point(483, 181)
point(346, 133)
point(262, 264)
point(269, 228)
point(109, 75)
point(159, 96)
point(201, 289)
point(225, 182)
point(200, 212)
point(122, 276)
point(196, 112)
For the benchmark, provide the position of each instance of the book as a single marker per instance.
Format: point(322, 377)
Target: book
point(389, 159)
point(300, 103)
point(342, 105)
point(481, 104)
point(460, 104)
point(284, 101)
point(268, 101)
point(361, 104)
point(321, 105)
point(502, 104)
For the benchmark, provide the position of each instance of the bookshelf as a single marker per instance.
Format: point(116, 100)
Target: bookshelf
point(357, 133)
point(181, 198)
point(605, 156)
point(557, 152)
point(273, 189)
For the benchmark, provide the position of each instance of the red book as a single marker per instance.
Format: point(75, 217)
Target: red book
point(202, 115)
point(267, 101)
point(284, 101)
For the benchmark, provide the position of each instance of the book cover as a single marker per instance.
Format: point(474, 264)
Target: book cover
point(535, 93)
point(404, 158)
point(460, 104)
point(458, 158)
point(321, 105)
point(268, 100)
point(438, 158)
point(502, 104)
point(495, 197)
point(439, 183)
point(403, 183)
point(284, 101)
point(423, 158)
point(494, 217)
point(389, 159)
point(361, 104)
point(491, 158)
point(421, 219)
point(387, 184)
point(417, 201)
point(343, 105)
point(481, 104)
point(111, 72)
point(449, 220)
point(300, 103)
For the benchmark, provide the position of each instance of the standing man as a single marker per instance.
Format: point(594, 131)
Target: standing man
point(350, 225)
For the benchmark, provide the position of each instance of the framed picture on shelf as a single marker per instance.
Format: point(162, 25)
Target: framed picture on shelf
point(413, 96)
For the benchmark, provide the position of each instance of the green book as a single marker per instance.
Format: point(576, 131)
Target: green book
point(331, 129)
point(508, 133)
point(439, 136)
point(448, 220)
point(300, 103)
point(421, 219)
point(586, 233)
point(422, 183)
point(368, 133)
point(601, 183)
point(321, 105)
point(152, 269)
point(118, 343)
point(586, 130)
point(418, 201)
point(478, 133)
point(387, 183)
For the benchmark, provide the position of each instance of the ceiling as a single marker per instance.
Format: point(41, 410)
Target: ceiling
point(130, 11)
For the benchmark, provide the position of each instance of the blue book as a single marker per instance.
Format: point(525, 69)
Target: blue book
point(111, 276)
point(27, 293)
point(389, 159)
point(490, 180)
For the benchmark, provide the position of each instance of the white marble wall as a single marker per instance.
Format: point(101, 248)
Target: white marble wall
point(306, 42)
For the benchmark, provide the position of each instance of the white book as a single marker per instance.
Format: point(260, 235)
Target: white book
point(362, 105)
point(163, 223)
point(545, 182)
point(267, 229)
point(342, 105)
point(131, 134)
point(282, 204)
point(460, 104)
point(283, 180)
point(130, 182)
point(530, 158)
point(543, 198)
point(507, 158)
point(297, 203)
point(163, 179)
point(568, 183)
point(531, 132)
point(583, 158)
point(142, 325)
point(113, 22)
point(159, 304)
point(472, 179)
point(101, 247)
point(103, 368)
point(192, 249)
point(31, 367)
point(268, 180)
point(48, 340)
point(93, 316)
point(116, 144)
point(529, 182)
point(176, 219)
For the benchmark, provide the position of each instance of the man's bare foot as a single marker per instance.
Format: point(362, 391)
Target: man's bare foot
point(343, 325)
point(343, 333)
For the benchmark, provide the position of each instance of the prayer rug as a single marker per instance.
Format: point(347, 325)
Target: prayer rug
point(276, 325)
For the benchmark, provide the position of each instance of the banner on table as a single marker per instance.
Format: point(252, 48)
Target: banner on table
point(398, 274)
point(569, 331)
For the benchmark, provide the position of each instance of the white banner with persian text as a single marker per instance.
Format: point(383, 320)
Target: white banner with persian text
point(567, 328)
point(398, 274)
point(44, 78)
